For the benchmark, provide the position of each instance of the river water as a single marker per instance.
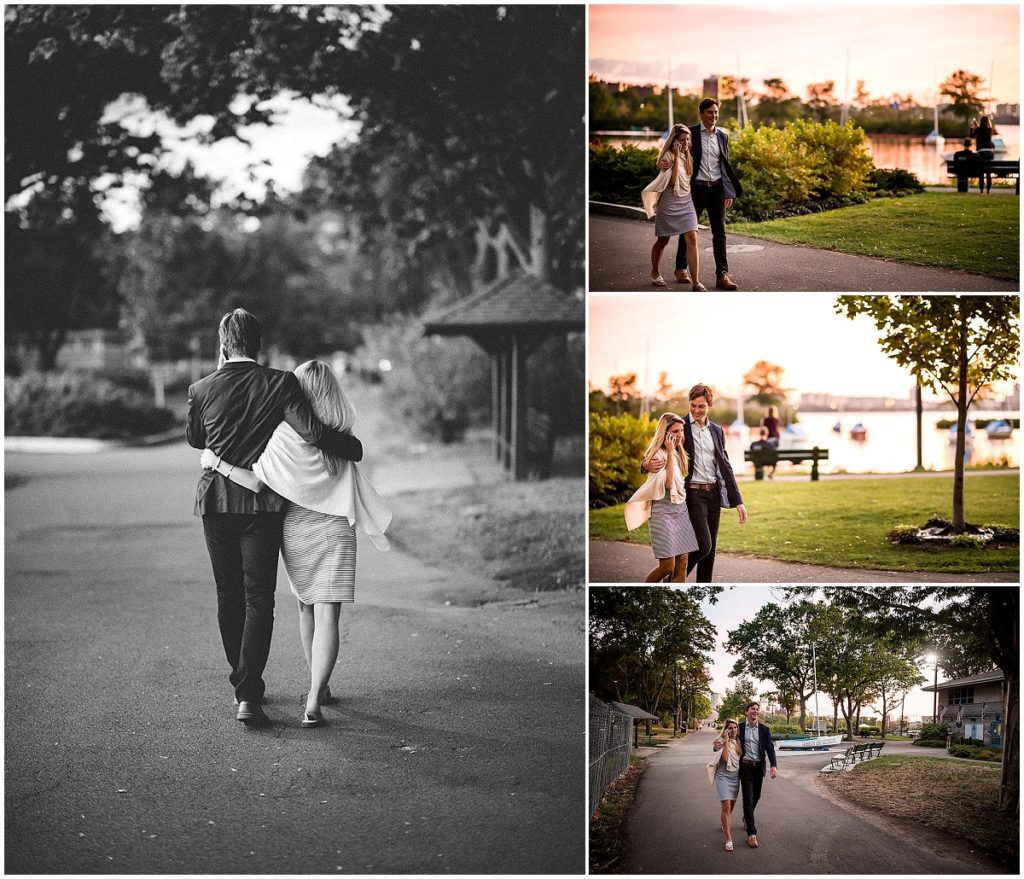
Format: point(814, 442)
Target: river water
point(895, 151)
point(890, 446)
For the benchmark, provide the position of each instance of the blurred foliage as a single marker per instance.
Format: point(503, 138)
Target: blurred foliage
point(78, 405)
point(617, 444)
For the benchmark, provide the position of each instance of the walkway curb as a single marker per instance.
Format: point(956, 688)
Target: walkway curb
point(618, 210)
point(73, 445)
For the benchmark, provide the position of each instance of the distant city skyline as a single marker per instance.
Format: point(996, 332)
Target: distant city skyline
point(901, 49)
point(716, 339)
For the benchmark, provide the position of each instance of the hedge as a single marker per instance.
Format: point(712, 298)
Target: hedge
point(617, 444)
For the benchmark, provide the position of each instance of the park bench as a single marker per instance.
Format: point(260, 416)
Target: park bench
point(841, 761)
point(861, 751)
point(967, 167)
point(875, 749)
point(761, 458)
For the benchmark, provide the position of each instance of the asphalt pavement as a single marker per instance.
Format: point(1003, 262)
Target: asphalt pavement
point(457, 745)
point(675, 827)
point(615, 561)
point(619, 260)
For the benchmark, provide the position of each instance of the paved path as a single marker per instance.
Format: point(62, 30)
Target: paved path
point(674, 826)
point(620, 249)
point(613, 561)
point(457, 746)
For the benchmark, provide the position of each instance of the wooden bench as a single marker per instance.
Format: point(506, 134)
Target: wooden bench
point(861, 751)
point(765, 457)
point(965, 168)
point(875, 749)
point(841, 761)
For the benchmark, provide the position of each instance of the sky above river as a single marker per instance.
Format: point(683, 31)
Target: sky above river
point(716, 339)
point(894, 49)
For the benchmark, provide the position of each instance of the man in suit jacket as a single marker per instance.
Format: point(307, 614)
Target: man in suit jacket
point(234, 411)
point(755, 747)
point(710, 481)
point(713, 186)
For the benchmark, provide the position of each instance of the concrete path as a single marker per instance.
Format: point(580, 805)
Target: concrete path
point(675, 827)
point(619, 260)
point(613, 561)
point(457, 746)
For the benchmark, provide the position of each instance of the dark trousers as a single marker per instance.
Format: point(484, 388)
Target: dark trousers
point(705, 509)
point(751, 779)
point(713, 200)
point(243, 549)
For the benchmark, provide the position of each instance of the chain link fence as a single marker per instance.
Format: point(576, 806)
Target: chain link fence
point(611, 741)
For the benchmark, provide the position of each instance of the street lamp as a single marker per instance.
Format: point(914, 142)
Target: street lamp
point(934, 659)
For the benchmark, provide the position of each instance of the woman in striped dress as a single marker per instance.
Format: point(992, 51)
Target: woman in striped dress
point(662, 500)
point(328, 500)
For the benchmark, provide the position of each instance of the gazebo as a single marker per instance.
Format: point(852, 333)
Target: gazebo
point(508, 320)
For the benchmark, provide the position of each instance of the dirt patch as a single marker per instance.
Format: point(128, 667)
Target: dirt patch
point(526, 536)
point(608, 821)
point(953, 800)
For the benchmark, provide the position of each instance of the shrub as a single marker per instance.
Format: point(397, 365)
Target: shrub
point(937, 731)
point(783, 729)
point(930, 743)
point(869, 730)
point(79, 405)
point(840, 159)
point(975, 752)
point(967, 541)
point(895, 181)
point(617, 444)
point(619, 175)
point(774, 168)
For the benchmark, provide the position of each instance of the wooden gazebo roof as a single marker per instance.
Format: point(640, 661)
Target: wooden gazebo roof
point(521, 304)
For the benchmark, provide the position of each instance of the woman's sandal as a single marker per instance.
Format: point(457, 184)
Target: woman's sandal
point(728, 846)
point(659, 281)
point(309, 721)
point(699, 288)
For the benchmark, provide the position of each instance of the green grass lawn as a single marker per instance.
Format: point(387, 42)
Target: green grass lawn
point(963, 231)
point(843, 523)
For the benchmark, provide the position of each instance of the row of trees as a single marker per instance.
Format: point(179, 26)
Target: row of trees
point(773, 103)
point(444, 188)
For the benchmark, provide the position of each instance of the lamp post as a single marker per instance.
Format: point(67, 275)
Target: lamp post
point(934, 658)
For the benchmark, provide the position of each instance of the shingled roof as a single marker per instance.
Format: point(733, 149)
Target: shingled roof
point(520, 301)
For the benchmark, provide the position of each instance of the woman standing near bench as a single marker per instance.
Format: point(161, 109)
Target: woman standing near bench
point(985, 146)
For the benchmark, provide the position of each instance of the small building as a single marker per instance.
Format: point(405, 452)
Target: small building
point(982, 697)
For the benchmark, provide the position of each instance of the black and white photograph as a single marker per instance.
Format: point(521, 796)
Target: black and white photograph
point(294, 409)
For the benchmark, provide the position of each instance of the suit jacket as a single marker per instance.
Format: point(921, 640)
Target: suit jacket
point(726, 478)
point(765, 740)
point(730, 182)
point(234, 412)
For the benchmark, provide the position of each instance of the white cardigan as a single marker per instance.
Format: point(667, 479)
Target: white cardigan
point(294, 469)
point(638, 507)
point(652, 192)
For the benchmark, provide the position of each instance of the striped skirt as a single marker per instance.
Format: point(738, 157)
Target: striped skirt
point(319, 553)
point(727, 783)
point(675, 216)
point(671, 531)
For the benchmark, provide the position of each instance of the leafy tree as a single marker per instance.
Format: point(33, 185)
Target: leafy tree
point(989, 614)
point(732, 704)
point(821, 99)
point(623, 391)
point(765, 380)
point(776, 645)
point(847, 662)
point(948, 343)
point(963, 90)
point(637, 636)
point(896, 674)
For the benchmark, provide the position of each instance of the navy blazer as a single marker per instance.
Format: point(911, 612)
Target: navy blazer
point(726, 478)
point(234, 411)
point(730, 182)
point(767, 745)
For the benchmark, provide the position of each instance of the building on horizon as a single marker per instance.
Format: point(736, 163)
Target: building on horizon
point(972, 707)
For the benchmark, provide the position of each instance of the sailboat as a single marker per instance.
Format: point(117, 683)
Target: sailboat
point(818, 742)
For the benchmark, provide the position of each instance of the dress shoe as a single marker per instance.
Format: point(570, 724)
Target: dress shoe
point(724, 283)
point(683, 276)
point(251, 713)
point(752, 841)
point(261, 700)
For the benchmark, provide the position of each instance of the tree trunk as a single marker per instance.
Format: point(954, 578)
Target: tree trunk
point(803, 713)
point(1009, 784)
point(961, 436)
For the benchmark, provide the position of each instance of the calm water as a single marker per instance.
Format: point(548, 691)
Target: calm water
point(911, 153)
point(891, 442)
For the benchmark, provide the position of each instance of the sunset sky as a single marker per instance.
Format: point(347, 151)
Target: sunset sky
point(717, 338)
point(894, 49)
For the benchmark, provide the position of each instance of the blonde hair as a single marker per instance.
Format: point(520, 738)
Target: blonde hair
point(656, 444)
point(328, 402)
point(673, 136)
